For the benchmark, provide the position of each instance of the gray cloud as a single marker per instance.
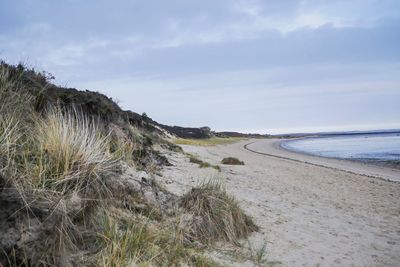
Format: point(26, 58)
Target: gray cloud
point(211, 58)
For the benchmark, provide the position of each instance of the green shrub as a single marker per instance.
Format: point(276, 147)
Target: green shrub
point(232, 161)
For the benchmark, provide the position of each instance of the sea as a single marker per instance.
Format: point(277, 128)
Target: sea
point(366, 146)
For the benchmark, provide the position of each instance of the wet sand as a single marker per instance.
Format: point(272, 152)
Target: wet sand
point(271, 147)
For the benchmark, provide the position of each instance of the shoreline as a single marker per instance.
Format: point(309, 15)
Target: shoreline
point(386, 163)
point(273, 148)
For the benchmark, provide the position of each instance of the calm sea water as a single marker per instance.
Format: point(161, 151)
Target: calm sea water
point(382, 147)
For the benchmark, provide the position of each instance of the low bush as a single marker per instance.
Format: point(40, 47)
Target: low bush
point(232, 161)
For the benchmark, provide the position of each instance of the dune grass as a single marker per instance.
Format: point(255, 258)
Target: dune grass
point(207, 142)
point(64, 156)
point(215, 215)
point(71, 151)
point(54, 167)
point(123, 150)
point(142, 243)
point(202, 164)
point(9, 137)
point(59, 151)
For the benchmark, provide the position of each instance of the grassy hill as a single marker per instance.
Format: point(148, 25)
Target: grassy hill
point(77, 184)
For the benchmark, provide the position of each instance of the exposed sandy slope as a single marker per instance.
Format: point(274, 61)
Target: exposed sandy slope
point(309, 215)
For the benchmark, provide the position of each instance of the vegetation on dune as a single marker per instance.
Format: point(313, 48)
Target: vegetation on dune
point(215, 215)
point(71, 151)
point(208, 142)
point(232, 161)
point(202, 164)
point(52, 169)
point(140, 242)
point(76, 188)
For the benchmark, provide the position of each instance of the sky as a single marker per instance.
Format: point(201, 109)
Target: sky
point(263, 66)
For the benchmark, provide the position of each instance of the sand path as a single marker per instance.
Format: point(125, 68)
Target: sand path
point(309, 215)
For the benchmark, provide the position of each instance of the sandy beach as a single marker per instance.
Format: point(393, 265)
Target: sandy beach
point(312, 211)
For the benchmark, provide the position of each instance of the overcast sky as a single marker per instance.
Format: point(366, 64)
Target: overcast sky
point(253, 66)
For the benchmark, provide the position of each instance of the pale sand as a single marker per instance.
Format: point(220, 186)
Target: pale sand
point(309, 215)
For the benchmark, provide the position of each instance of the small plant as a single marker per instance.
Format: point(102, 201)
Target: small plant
point(258, 254)
point(232, 161)
point(195, 160)
point(202, 164)
point(215, 215)
point(216, 167)
point(174, 147)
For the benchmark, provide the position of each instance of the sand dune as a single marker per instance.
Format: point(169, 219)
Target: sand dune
point(311, 212)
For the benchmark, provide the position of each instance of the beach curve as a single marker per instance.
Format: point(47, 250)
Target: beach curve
point(308, 215)
point(273, 148)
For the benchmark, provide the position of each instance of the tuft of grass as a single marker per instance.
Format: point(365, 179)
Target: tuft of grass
point(123, 150)
point(124, 246)
point(9, 137)
point(232, 161)
point(142, 243)
point(215, 215)
point(194, 159)
point(258, 254)
point(254, 253)
point(71, 153)
point(60, 153)
point(207, 142)
point(202, 261)
point(202, 164)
